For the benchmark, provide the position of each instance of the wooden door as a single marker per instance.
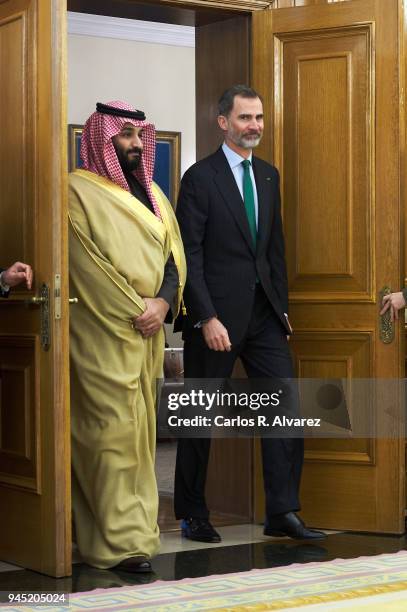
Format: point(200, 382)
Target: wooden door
point(332, 77)
point(35, 530)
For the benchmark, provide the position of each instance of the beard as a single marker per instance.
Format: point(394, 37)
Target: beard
point(245, 141)
point(130, 159)
point(133, 164)
point(249, 143)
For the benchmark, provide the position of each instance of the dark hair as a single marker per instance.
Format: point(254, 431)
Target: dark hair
point(227, 99)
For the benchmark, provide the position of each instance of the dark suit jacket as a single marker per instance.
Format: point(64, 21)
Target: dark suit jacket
point(222, 263)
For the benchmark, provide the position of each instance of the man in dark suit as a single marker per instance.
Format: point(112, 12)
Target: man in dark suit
point(236, 300)
point(13, 276)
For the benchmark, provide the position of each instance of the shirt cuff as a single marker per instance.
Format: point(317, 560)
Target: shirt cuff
point(200, 323)
point(4, 285)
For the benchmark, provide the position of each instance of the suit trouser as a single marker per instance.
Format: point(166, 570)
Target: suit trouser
point(264, 353)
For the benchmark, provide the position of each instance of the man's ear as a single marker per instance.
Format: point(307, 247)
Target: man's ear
point(222, 122)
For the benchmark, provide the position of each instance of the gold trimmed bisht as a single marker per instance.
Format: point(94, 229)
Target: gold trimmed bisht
point(118, 250)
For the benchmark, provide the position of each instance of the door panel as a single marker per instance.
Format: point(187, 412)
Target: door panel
point(34, 421)
point(18, 456)
point(327, 102)
point(331, 80)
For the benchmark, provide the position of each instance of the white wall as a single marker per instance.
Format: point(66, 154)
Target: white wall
point(158, 79)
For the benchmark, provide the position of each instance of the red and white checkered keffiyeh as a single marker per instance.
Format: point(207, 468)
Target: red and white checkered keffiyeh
point(98, 153)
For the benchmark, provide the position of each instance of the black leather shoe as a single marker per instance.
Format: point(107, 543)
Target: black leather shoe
point(134, 565)
point(199, 529)
point(289, 524)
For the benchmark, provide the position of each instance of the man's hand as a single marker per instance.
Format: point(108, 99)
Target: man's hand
point(216, 335)
point(394, 301)
point(152, 318)
point(18, 273)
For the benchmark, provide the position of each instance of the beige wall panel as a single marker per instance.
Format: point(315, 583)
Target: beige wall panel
point(163, 86)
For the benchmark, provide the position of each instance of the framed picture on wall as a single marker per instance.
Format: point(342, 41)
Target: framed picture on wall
point(167, 170)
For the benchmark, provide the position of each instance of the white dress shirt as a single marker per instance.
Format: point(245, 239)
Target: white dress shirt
point(235, 163)
point(3, 285)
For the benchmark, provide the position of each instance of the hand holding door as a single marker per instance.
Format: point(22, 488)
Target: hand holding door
point(394, 302)
point(17, 274)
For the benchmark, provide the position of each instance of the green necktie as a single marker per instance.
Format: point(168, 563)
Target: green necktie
point(248, 197)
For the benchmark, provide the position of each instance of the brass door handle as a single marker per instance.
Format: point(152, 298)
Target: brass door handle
point(42, 300)
point(36, 300)
point(386, 325)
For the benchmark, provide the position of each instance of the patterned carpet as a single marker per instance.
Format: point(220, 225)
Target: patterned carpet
point(269, 589)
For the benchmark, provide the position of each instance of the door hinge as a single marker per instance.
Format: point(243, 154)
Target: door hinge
point(57, 296)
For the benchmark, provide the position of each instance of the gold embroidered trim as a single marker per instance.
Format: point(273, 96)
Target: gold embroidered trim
point(128, 199)
point(308, 600)
point(175, 247)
